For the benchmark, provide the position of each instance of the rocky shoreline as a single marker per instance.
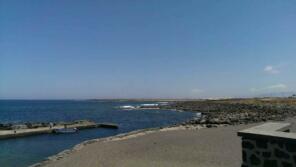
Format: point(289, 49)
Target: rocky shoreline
point(236, 111)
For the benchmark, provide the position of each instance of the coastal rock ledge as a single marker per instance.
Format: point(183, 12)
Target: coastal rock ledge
point(237, 111)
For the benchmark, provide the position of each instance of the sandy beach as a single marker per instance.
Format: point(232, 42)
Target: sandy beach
point(174, 147)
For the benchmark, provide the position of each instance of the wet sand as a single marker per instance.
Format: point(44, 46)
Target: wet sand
point(172, 147)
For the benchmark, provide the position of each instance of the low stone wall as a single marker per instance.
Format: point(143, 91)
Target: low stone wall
point(268, 145)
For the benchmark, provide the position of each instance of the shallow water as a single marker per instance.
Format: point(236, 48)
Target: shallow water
point(26, 151)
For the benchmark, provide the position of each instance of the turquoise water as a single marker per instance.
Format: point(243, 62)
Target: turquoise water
point(26, 151)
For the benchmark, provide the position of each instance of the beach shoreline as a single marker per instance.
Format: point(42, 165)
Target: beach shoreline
point(209, 139)
point(222, 119)
point(122, 136)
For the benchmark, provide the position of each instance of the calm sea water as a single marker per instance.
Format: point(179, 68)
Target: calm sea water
point(26, 151)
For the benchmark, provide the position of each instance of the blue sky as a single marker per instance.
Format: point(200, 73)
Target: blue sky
point(146, 49)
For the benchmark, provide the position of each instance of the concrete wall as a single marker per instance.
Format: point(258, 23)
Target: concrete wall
point(268, 146)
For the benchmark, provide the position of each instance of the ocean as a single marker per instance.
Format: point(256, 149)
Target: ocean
point(22, 152)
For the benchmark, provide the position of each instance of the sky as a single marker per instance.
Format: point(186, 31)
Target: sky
point(74, 49)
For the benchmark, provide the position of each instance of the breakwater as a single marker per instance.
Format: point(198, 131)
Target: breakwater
point(29, 129)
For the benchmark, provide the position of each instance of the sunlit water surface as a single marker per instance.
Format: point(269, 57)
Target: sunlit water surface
point(23, 152)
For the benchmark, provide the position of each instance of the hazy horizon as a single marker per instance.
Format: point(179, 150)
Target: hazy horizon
point(154, 49)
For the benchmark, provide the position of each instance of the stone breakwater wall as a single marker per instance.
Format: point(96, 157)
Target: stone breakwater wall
point(268, 145)
point(21, 130)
